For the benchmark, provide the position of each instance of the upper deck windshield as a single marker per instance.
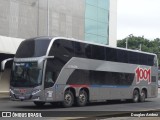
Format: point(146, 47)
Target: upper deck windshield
point(26, 75)
point(33, 48)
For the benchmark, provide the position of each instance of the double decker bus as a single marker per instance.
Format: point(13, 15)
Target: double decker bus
point(57, 69)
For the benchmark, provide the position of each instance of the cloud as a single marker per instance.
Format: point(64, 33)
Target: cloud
point(138, 17)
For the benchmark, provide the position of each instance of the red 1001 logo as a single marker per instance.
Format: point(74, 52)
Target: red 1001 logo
point(143, 74)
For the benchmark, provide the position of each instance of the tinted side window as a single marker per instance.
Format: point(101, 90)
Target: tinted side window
point(54, 48)
point(88, 51)
point(153, 79)
point(100, 78)
point(150, 60)
point(98, 52)
point(58, 51)
point(143, 59)
point(67, 47)
point(53, 69)
point(79, 77)
point(122, 56)
point(133, 57)
point(155, 61)
point(111, 54)
point(80, 49)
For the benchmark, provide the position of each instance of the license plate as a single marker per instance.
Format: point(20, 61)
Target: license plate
point(21, 97)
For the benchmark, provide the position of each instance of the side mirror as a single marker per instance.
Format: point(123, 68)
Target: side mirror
point(49, 57)
point(3, 63)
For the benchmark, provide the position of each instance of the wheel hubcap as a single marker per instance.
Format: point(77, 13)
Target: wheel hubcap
point(82, 98)
point(135, 97)
point(68, 99)
point(143, 95)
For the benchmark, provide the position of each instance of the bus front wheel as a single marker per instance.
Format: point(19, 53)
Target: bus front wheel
point(37, 103)
point(68, 99)
point(135, 98)
point(82, 98)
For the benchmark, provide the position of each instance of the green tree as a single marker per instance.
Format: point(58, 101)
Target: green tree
point(134, 42)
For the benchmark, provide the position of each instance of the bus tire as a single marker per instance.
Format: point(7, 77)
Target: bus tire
point(82, 98)
point(39, 104)
point(135, 98)
point(142, 96)
point(68, 99)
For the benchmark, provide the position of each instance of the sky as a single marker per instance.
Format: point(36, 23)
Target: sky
point(139, 18)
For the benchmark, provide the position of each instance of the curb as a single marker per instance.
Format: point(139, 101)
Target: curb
point(4, 95)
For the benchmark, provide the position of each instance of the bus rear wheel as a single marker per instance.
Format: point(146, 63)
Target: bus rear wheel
point(142, 96)
point(82, 98)
point(39, 104)
point(135, 98)
point(68, 99)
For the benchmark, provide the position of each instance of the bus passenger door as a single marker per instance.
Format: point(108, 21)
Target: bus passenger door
point(48, 86)
point(49, 79)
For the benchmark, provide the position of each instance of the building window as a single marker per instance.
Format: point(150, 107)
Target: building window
point(97, 21)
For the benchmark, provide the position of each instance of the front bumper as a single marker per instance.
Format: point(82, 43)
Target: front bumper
point(21, 97)
point(25, 97)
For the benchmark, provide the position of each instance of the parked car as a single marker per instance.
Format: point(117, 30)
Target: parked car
point(159, 83)
point(159, 78)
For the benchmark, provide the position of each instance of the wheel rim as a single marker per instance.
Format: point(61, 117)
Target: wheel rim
point(136, 96)
point(68, 99)
point(143, 96)
point(82, 98)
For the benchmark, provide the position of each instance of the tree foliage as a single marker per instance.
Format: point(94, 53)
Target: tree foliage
point(152, 46)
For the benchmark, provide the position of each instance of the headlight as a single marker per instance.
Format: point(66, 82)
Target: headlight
point(36, 91)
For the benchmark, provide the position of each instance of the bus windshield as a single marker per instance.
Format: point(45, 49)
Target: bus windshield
point(32, 48)
point(26, 75)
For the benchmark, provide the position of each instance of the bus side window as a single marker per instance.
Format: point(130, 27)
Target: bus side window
point(111, 54)
point(88, 51)
point(49, 77)
point(134, 58)
point(98, 52)
point(79, 49)
point(122, 56)
point(49, 81)
point(143, 59)
point(155, 61)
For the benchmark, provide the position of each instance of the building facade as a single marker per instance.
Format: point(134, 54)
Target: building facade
point(89, 20)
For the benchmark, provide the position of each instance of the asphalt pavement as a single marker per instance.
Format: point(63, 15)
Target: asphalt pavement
point(113, 109)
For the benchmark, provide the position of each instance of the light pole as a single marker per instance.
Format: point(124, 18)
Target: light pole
point(127, 43)
point(140, 47)
point(33, 5)
point(38, 19)
point(127, 40)
point(48, 17)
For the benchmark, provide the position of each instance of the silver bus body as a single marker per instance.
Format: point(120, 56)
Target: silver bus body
point(100, 79)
